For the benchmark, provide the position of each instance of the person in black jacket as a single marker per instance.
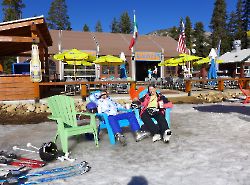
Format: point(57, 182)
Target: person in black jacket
point(153, 106)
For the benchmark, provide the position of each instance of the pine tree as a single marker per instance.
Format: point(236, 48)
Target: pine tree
point(231, 26)
point(180, 26)
point(218, 27)
point(85, 28)
point(125, 23)
point(12, 10)
point(173, 32)
point(58, 18)
point(115, 26)
point(188, 32)
point(98, 27)
point(246, 22)
point(200, 41)
point(240, 32)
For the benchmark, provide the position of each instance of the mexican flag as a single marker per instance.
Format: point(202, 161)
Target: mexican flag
point(135, 35)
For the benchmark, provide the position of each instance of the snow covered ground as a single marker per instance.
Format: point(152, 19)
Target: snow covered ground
point(210, 145)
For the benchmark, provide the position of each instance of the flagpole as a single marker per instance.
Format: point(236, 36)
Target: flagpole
point(61, 64)
point(133, 66)
point(162, 67)
point(218, 54)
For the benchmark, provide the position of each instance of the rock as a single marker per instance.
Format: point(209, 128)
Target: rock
point(11, 108)
point(48, 110)
point(43, 108)
point(38, 110)
point(83, 108)
point(31, 108)
point(5, 106)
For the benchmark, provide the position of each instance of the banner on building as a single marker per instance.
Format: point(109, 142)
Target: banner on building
point(147, 56)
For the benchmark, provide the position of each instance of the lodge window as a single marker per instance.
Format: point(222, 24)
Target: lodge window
point(108, 70)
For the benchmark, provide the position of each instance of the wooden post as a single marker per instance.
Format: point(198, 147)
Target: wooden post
point(46, 63)
point(242, 74)
point(241, 83)
point(188, 87)
point(84, 91)
point(133, 85)
point(248, 84)
point(36, 92)
point(221, 85)
point(41, 57)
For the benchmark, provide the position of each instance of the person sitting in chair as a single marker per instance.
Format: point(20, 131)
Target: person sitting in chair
point(153, 105)
point(108, 106)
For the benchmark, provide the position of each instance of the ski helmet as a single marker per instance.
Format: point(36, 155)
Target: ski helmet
point(48, 151)
point(91, 107)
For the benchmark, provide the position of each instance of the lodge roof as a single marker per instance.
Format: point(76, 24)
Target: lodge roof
point(236, 56)
point(16, 36)
point(111, 43)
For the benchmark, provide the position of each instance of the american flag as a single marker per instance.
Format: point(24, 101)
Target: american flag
point(181, 47)
point(135, 35)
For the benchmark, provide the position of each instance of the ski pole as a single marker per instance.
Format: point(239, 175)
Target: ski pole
point(16, 148)
point(30, 145)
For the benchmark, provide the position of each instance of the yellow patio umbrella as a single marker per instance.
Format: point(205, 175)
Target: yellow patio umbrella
point(202, 61)
point(73, 54)
point(205, 60)
point(168, 61)
point(172, 62)
point(189, 58)
point(75, 57)
point(161, 63)
point(79, 62)
point(108, 60)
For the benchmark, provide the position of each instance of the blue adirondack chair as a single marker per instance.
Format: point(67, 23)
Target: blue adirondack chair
point(104, 124)
point(103, 118)
point(137, 114)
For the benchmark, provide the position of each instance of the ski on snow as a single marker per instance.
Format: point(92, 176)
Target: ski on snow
point(14, 160)
point(46, 175)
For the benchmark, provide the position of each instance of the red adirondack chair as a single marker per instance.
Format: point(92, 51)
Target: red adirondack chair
point(246, 92)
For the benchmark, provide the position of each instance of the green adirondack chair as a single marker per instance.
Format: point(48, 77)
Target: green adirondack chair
point(63, 112)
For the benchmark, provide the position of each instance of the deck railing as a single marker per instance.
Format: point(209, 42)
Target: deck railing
point(220, 83)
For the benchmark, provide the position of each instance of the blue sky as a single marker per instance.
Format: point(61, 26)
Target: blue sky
point(150, 15)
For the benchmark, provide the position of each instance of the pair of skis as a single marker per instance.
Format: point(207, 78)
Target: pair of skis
point(14, 160)
point(45, 175)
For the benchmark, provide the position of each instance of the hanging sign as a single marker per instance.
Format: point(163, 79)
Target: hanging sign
point(147, 56)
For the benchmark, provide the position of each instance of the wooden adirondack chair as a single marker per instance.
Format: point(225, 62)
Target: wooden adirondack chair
point(63, 112)
point(246, 93)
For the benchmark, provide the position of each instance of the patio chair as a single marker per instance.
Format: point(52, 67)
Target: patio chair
point(69, 89)
point(169, 82)
point(104, 124)
point(159, 82)
point(63, 112)
point(246, 92)
point(103, 118)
